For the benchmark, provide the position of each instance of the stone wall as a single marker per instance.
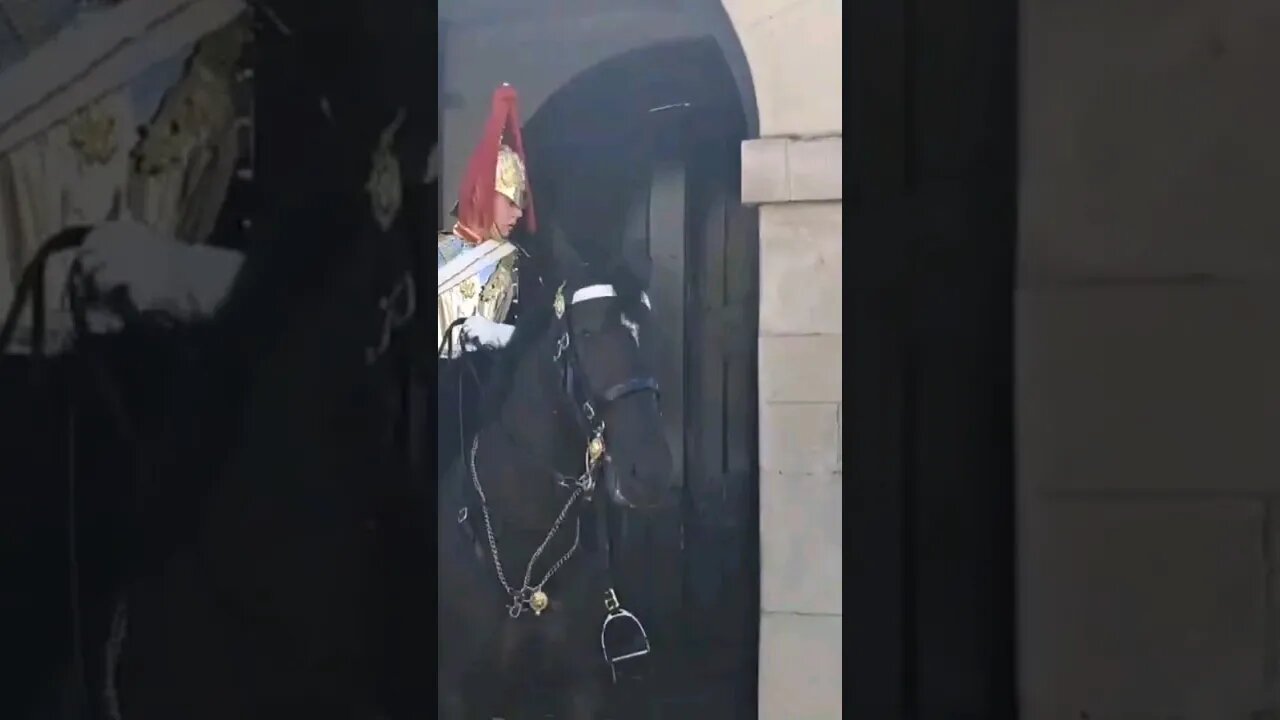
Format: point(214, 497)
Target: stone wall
point(1148, 409)
point(793, 172)
point(797, 184)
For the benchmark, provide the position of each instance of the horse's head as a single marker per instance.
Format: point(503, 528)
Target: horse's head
point(606, 352)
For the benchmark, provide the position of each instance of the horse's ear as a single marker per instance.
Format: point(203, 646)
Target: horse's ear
point(636, 264)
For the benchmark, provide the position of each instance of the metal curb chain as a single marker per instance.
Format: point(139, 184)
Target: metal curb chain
point(520, 598)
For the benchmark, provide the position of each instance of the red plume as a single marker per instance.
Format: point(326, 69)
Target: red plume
point(475, 194)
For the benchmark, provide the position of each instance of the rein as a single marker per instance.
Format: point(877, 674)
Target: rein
point(530, 597)
point(31, 289)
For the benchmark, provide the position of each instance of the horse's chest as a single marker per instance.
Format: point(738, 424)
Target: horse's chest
point(539, 645)
point(549, 644)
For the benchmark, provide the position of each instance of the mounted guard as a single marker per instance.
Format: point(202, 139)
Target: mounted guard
point(476, 263)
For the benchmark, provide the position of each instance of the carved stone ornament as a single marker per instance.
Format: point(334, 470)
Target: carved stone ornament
point(385, 191)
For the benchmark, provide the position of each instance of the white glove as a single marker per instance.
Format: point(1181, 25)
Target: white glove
point(160, 273)
point(479, 331)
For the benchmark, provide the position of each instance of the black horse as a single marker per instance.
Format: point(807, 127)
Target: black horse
point(569, 426)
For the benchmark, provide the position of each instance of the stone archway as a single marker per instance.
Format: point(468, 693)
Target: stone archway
point(792, 170)
point(488, 42)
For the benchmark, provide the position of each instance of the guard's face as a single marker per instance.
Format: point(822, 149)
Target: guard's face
point(505, 214)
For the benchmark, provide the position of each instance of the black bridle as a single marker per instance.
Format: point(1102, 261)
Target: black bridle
point(588, 406)
point(588, 403)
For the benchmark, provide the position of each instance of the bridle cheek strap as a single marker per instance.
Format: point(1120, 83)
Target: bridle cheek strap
point(588, 405)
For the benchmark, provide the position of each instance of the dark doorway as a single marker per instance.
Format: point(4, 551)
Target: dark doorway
point(930, 235)
point(651, 140)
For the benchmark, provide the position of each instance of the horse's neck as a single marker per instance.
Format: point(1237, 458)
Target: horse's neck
point(529, 446)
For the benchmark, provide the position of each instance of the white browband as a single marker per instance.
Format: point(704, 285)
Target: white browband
point(595, 292)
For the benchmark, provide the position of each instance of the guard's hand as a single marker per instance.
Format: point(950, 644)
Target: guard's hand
point(479, 331)
point(158, 272)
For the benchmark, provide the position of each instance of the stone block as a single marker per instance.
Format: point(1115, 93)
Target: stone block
point(1149, 388)
point(799, 438)
point(801, 368)
point(801, 544)
point(1148, 138)
point(1142, 608)
point(801, 280)
point(816, 169)
point(801, 667)
point(764, 171)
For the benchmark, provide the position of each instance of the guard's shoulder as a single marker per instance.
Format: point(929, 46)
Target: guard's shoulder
point(448, 247)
